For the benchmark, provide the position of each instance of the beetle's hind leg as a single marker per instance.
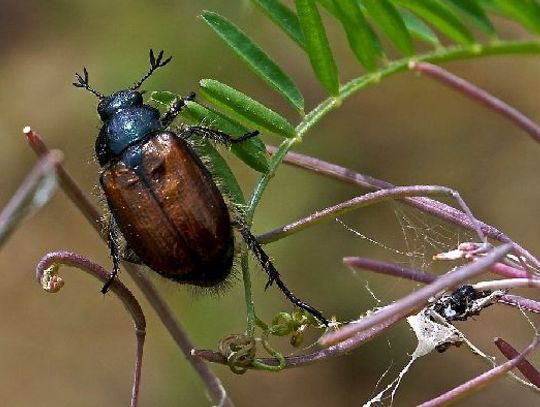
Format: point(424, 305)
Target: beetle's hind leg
point(216, 135)
point(112, 237)
point(175, 110)
point(273, 274)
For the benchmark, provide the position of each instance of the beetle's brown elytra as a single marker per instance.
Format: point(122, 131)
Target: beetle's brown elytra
point(184, 232)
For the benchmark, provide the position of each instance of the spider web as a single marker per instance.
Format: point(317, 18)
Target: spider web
point(427, 236)
point(422, 237)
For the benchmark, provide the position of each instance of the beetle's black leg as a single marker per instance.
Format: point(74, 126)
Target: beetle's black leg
point(216, 135)
point(273, 274)
point(175, 109)
point(115, 254)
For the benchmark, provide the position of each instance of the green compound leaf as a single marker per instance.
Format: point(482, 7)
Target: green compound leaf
point(284, 18)
point(317, 45)
point(362, 39)
point(256, 58)
point(472, 9)
point(387, 17)
point(222, 172)
point(438, 14)
point(245, 108)
point(252, 151)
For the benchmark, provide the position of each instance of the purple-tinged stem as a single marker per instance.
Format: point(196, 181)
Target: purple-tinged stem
point(371, 198)
point(25, 199)
point(507, 283)
point(478, 382)
point(525, 367)
point(67, 183)
point(520, 302)
point(418, 298)
point(44, 274)
point(388, 268)
point(430, 206)
point(479, 95)
point(508, 271)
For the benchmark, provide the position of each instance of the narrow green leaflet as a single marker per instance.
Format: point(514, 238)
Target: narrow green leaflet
point(527, 12)
point(472, 9)
point(225, 178)
point(256, 58)
point(390, 21)
point(252, 151)
point(441, 17)
point(284, 17)
point(245, 108)
point(317, 45)
point(361, 36)
point(418, 28)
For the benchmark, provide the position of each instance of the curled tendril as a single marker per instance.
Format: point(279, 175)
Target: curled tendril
point(239, 350)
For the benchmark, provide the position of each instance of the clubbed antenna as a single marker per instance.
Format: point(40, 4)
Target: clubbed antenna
point(82, 82)
point(155, 63)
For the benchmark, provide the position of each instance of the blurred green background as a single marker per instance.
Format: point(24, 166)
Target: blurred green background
point(77, 348)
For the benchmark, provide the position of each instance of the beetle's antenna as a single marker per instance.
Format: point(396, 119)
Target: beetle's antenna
point(155, 63)
point(82, 82)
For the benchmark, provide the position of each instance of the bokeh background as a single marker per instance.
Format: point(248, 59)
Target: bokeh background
point(77, 348)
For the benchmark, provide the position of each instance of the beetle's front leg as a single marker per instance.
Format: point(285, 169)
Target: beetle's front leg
point(175, 110)
point(216, 135)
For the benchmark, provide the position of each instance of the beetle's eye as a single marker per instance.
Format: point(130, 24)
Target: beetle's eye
point(104, 109)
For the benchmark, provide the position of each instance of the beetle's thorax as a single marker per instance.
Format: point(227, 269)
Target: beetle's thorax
point(126, 121)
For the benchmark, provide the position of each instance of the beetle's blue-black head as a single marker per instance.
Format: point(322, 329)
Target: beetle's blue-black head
point(123, 99)
point(126, 119)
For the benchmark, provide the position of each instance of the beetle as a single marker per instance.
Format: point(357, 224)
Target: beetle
point(162, 198)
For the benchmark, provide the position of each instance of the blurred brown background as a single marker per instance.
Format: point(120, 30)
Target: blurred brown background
point(77, 348)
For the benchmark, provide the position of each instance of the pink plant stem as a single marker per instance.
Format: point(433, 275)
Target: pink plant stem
point(479, 95)
point(117, 288)
point(508, 271)
point(388, 268)
point(528, 370)
point(478, 382)
point(371, 198)
point(18, 206)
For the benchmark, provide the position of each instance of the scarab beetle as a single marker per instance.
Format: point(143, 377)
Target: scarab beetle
point(162, 198)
